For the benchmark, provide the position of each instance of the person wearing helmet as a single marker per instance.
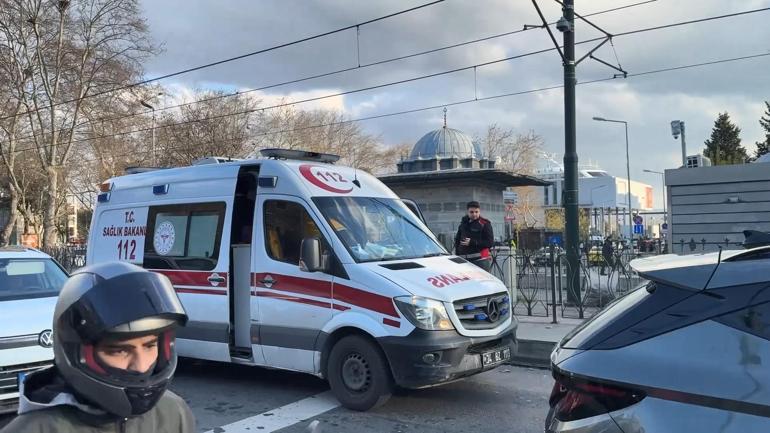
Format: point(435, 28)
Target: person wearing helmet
point(114, 357)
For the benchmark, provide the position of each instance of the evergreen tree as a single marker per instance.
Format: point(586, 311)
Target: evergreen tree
point(763, 147)
point(724, 145)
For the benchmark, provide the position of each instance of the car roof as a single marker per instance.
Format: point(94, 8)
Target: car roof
point(21, 252)
point(709, 270)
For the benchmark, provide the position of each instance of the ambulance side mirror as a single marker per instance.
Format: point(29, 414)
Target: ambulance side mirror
point(310, 256)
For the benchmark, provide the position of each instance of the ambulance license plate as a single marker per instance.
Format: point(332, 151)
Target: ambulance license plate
point(495, 357)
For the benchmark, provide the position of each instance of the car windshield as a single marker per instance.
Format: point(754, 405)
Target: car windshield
point(377, 229)
point(30, 278)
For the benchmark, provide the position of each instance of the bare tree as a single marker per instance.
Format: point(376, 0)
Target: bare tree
point(322, 131)
point(392, 155)
point(211, 126)
point(513, 152)
point(69, 50)
point(517, 153)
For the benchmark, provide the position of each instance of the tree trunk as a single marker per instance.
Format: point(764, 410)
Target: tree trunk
point(50, 238)
point(13, 213)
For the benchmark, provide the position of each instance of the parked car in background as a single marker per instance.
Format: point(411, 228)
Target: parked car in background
point(542, 257)
point(29, 285)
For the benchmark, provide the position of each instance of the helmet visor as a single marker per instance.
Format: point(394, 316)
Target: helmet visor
point(128, 299)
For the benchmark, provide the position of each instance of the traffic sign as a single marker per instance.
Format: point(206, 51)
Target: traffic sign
point(511, 197)
point(638, 229)
point(638, 219)
point(664, 226)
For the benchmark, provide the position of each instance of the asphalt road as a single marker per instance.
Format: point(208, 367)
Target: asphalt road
point(238, 399)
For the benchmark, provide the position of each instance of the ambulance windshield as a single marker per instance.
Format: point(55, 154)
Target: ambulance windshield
point(378, 229)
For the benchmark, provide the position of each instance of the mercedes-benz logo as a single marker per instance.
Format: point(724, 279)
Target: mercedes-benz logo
point(493, 310)
point(45, 338)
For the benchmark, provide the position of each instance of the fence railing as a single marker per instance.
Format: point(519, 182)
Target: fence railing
point(70, 257)
point(540, 281)
point(537, 279)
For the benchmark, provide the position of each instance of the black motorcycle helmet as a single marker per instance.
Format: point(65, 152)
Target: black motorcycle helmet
point(115, 301)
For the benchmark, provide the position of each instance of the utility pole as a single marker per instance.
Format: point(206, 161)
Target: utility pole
point(566, 25)
point(571, 237)
point(145, 104)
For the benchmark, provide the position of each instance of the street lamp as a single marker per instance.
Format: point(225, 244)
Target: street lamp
point(663, 183)
point(147, 105)
point(628, 174)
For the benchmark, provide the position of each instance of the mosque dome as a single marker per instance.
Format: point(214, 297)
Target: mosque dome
point(445, 143)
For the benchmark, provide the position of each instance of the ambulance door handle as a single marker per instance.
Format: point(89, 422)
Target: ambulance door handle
point(268, 281)
point(218, 279)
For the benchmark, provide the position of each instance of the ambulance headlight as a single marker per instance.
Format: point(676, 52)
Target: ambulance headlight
point(424, 313)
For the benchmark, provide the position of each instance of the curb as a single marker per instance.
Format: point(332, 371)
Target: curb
point(533, 353)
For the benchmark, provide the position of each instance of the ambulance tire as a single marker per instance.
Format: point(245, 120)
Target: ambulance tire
point(359, 374)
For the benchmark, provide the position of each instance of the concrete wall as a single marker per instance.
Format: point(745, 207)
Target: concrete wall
point(715, 204)
point(444, 205)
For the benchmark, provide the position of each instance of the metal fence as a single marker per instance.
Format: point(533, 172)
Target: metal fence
point(70, 257)
point(539, 280)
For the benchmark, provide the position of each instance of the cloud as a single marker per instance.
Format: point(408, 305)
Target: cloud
point(214, 30)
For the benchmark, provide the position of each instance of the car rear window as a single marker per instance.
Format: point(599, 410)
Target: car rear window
point(30, 278)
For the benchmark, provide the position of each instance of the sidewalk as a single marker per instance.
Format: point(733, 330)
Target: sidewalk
point(537, 337)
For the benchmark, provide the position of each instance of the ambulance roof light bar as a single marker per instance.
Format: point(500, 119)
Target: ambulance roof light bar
point(300, 155)
point(215, 160)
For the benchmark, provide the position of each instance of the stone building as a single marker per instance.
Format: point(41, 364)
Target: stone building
point(444, 171)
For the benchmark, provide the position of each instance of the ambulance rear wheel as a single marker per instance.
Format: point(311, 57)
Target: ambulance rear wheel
point(359, 374)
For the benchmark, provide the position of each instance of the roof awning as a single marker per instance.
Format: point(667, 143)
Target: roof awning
point(500, 178)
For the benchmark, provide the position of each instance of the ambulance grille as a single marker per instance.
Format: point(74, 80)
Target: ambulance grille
point(480, 312)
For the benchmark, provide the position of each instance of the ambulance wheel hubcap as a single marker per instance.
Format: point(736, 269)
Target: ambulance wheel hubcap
point(355, 373)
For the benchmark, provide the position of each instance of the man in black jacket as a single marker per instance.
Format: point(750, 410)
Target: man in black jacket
point(474, 238)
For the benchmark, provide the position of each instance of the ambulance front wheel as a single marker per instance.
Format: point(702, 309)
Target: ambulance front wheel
point(358, 373)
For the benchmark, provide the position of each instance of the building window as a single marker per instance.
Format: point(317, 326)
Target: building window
point(546, 190)
point(184, 236)
point(450, 207)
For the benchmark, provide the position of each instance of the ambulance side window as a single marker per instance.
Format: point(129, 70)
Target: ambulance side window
point(286, 224)
point(184, 236)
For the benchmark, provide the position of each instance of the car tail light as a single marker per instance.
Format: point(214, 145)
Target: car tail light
point(573, 399)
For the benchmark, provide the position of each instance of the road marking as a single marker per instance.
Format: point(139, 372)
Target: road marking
point(284, 416)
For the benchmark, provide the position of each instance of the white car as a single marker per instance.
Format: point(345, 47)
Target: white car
point(29, 285)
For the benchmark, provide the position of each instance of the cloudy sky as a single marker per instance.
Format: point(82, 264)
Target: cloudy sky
point(197, 32)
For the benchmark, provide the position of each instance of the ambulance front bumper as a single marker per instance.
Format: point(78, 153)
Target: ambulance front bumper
point(427, 358)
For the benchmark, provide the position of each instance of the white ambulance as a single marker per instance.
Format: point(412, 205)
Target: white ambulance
point(292, 262)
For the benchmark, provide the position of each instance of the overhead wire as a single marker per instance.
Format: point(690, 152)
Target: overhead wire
point(403, 81)
point(238, 57)
point(467, 101)
point(328, 74)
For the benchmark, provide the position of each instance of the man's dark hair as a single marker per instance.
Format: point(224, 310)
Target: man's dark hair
point(473, 204)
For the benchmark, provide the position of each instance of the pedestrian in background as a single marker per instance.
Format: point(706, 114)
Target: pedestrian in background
point(607, 255)
point(475, 238)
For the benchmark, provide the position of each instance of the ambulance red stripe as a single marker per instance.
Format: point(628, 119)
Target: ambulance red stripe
point(364, 299)
point(199, 291)
point(304, 286)
point(300, 300)
point(322, 289)
point(191, 278)
point(291, 298)
point(391, 322)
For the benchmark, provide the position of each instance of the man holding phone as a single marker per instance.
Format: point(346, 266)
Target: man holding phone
point(474, 238)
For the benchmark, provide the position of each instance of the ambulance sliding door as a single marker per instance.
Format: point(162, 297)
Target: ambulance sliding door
point(293, 305)
point(184, 242)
